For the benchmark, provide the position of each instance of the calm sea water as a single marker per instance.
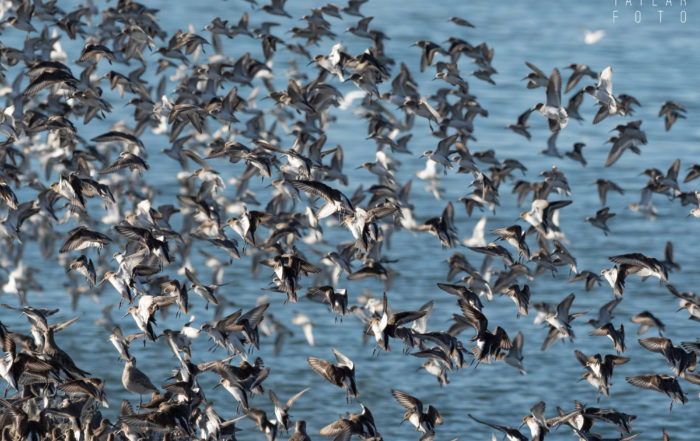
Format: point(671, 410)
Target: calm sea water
point(652, 61)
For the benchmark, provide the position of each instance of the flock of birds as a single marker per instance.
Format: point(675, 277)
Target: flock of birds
point(52, 176)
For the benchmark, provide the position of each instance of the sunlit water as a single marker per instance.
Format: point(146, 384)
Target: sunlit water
point(652, 61)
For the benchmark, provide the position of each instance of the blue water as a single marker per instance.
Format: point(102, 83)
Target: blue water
point(652, 61)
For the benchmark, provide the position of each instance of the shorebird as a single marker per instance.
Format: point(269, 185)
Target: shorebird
point(559, 322)
point(341, 375)
point(390, 324)
point(84, 266)
point(135, 381)
point(282, 410)
point(660, 383)
point(541, 215)
point(646, 320)
point(671, 111)
point(602, 92)
point(336, 298)
point(355, 424)
point(630, 137)
point(299, 432)
point(462, 292)
point(143, 313)
point(488, 344)
point(306, 326)
point(577, 73)
point(207, 292)
point(688, 301)
point(514, 357)
point(461, 22)
point(335, 200)
point(423, 421)
point(605, 185)
point(616, 335)
point(599, 369)
point(590, 279)
point(536, 78)
point(442, 227)
point(266, 426)
point(521, 126)
point(605, 313)
point(536, 422)
point(615, 276)
point(429, 50)
point(521, 297)
point(288, 267)
point(641, 265)
point(577, 153)
point(553, 110)
point(515, 236)
point(679, 360)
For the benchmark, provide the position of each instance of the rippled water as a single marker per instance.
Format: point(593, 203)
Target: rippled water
point(652, 61)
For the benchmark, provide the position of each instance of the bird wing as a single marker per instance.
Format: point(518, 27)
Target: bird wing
point(651, 382)
point(322, 367)
point(314, 187)
point(581, 357)
point(339, 429)
point(688, 345)
point(554, 89)
point(522, 118)
point(564, 306)
point(538, 411)
point(255, 315)
point(404, 317)
point(192, 276)
point(503, 339)
point(503, 429)
point(616, 360)
point(407, 401)
point(342, 359)
point(474, 317)
point(295, 397)
point(655, 344)
point(630, 259)
point(535, 69)
point(605, 81)
point(517, 344)
point(603, 330)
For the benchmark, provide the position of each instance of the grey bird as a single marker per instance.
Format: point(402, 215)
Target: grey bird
point(646, 320)
point(135, 381)
point(600, 219)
